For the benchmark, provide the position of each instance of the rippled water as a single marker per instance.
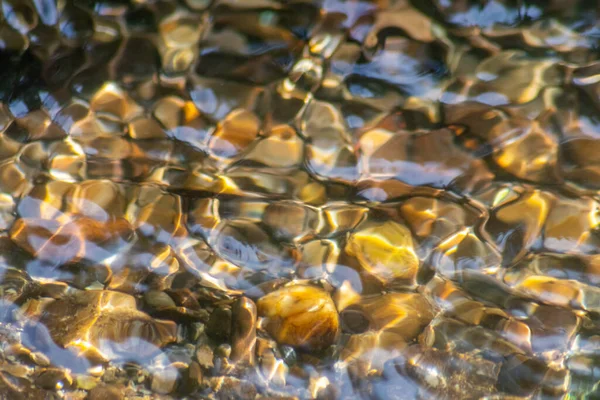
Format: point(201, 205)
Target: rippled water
point(261, 199)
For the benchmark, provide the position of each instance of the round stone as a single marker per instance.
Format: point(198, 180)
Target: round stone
point(300, 316)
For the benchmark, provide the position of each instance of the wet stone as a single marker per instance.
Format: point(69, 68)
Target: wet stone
point(204, 355)
point(105, 324)
point(463, 376)
point(219, 324)
point(291, 222)
point(465, 251)
point(381, 327)
point(16, 286)
point(243, 330)
point(53, 379)
point(300, 316)
point(74, 241)
point(386, 250)
point(517, 225)
point(21, 389)
point(403, 313)
point(164, 381)
point(422, 158)
point(281, 148)
point(108, 392)
point(194, 378)
point(236, 132)
point(230, 387)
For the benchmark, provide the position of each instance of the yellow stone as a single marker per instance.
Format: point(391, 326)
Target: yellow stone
point(385, 250)
point(300, 316)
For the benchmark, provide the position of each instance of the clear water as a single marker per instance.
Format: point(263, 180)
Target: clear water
point(261, 199)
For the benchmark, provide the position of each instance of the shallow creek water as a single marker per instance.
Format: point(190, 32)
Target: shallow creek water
point(304, 199)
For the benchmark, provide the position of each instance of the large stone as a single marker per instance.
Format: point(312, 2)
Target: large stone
point(300, 316)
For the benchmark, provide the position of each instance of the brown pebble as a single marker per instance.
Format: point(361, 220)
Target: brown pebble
point(219, 324)
point(243, 330)
point(54, 379)
point(164, 380)
point(193, 379)
point(204, 355)
point(106, 393)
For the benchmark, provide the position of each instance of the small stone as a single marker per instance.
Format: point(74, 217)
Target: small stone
point(194, 377)
point(204, 355)
point(76, 395)
point(61, 243)
point(243, 330)
point(321, 388)
point(280, 148)
point(86, 382)
point(219, 324)
point(164, 380)
point(106, 392)
point(158, 300)
point(105, 324)
point(234, 134)
point(385, 250)
point(274, 370)
point(404, 314)
point(54, 379)
point(16, 370)
point(96, 371)
point(232, 388)
point(223, 350)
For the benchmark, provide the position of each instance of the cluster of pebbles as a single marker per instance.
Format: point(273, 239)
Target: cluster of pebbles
point(326, 199)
